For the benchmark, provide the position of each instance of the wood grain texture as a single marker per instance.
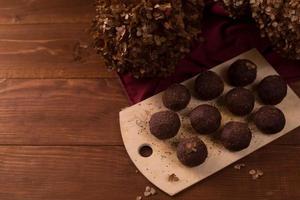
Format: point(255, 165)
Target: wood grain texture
point(48, 39)
point(50, 95)
point(67, 112)
point(49, 51)
point(89, 173)
point(60, 112)
point(45, 11)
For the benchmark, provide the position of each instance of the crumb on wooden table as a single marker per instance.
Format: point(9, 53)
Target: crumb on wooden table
point(149, 191)
point(256, 173)
point(239, 166)
point(139, 198)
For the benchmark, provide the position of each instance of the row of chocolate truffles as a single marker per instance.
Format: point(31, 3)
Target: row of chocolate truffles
point(206, 119)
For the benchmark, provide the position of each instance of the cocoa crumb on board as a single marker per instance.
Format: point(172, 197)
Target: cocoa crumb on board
point(140, 123)
point(173, 178)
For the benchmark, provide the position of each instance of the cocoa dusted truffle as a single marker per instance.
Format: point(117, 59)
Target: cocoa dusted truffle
point(272, 90)
point(242, 72)
point(236, 136)
point(205, 119)
point(176, 97)
point(164, 124)
point(208, 85)
point(240, 101)
point(269, 119)
point(191, 152)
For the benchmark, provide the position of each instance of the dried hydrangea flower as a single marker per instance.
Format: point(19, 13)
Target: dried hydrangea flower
point(279, 20)
point(146, 38)
point(237, 8)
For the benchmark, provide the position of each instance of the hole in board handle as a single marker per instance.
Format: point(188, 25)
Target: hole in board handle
point(145, 150)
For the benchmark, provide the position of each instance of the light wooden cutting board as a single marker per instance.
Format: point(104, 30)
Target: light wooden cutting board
point(163, 161)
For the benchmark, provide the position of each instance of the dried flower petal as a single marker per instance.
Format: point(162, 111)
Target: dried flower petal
point(147, 194)
point(148, 188)
point(256, 173)
point(153, 191)
point(279, 20)
point(239, 166)
point(259, 172)
point(146, 38)
point(149, 191)
point(138, 198)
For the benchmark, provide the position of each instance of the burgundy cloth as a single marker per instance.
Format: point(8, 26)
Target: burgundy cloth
point(224, 38)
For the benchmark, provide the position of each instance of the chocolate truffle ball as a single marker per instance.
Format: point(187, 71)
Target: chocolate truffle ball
point(208, 85)
point(242, 72)
point(205, 119)
point(269, 119)
point(164, 124)
point(272, 90)
point(191, 152)
point(240, 101)
point(176, 97)
point(236, 136)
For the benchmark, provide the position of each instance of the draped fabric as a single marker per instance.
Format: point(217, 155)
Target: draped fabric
point(224, 38)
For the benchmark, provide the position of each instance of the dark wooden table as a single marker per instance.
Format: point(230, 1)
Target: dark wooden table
point(59, 131)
